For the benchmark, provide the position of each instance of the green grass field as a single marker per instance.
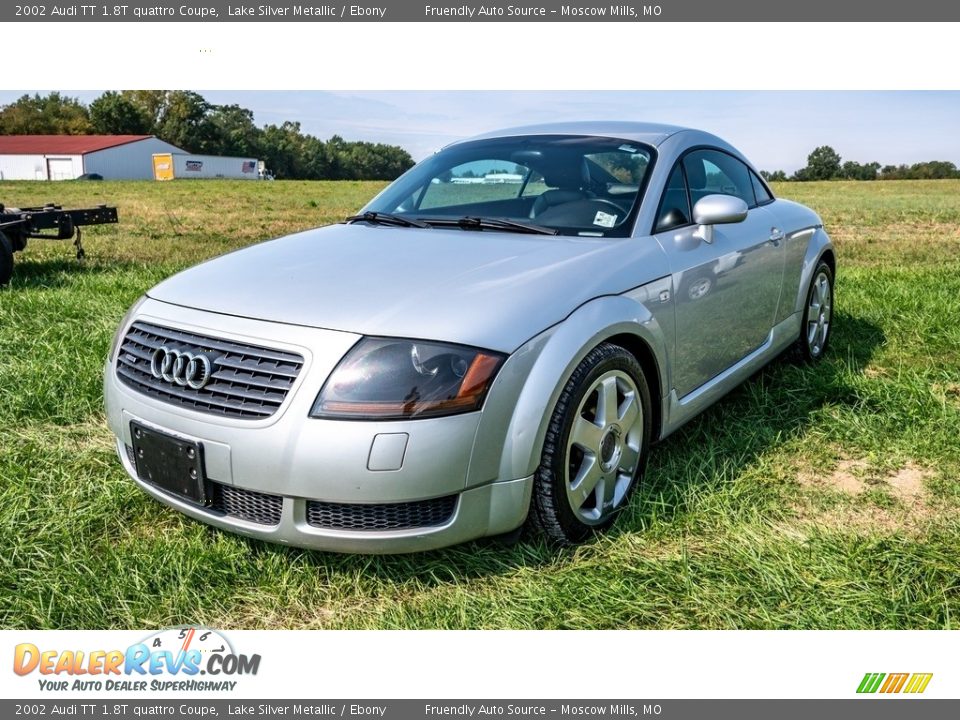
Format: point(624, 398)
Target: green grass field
point(810, 498)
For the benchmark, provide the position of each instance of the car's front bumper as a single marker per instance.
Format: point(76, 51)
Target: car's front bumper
point(299, 463)
point(490, 509)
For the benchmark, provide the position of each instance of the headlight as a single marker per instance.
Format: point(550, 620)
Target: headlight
point(118, 335)
point(384, 378)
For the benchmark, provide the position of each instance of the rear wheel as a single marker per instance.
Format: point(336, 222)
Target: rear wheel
point(6, 259)
point(595, 449)
point(817, 316)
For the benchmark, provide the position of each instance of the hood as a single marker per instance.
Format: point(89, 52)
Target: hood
point(487, 289)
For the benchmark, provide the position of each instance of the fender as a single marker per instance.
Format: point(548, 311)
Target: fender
point(549, 359)
point(818, 245)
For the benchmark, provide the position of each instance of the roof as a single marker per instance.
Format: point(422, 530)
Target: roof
point(63, 144)
point(649, 133)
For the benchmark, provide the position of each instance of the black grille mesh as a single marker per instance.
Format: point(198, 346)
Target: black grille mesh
point(388, 516)
point(247, 381)
point(247, 505)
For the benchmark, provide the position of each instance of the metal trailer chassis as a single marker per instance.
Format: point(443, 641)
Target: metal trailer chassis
point(17, 225)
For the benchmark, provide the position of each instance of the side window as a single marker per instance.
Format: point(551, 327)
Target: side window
point(760, 190)
point(474, 182)
point(710, 172)
point(675, 204)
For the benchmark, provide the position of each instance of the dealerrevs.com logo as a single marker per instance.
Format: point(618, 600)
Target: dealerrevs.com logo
point(178, 659)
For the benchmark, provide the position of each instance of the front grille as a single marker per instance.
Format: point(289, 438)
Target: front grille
point(247, 505)
point(389, 516)
point(246, 381)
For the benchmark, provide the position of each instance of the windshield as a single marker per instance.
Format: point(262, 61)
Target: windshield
point(576, 185)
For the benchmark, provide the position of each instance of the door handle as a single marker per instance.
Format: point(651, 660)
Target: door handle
point(776, 235)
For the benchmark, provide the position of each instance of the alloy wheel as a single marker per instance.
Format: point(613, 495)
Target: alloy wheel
point(819, 314)
point(604, 447)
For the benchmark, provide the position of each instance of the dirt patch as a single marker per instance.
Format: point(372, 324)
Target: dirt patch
point(907, 483)
point(853, 476)
point(911, 514)
point(848, 477)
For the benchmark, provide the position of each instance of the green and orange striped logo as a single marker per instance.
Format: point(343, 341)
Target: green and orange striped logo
point(894, 682)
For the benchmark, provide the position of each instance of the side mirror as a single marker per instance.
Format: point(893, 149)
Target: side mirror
point(717, 210)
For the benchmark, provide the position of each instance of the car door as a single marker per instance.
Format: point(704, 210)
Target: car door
point(726, 291)
point(797, 233)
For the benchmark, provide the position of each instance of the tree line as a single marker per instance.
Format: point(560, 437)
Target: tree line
point(824, 163)
point(185, 119)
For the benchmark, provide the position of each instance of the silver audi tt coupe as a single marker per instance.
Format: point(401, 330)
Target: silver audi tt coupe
point(496, 339)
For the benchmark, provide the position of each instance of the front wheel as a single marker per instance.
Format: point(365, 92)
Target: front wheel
point(817, 316)
point(595, 448)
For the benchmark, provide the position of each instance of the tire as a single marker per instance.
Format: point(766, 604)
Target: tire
point(587, 474)
point(817, 325)
point(6, 260)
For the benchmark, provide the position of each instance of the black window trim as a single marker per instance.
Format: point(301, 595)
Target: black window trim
point(757, 176)
point(686, 185)
point(637, 209)
point(663, 198)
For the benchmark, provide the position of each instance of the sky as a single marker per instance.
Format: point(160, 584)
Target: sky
point(776, 130)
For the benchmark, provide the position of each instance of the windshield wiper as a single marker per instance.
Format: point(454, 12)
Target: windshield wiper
point(379, 218)
point(467, 223)
point(484, 223)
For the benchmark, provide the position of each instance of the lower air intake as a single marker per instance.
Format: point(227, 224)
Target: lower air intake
point(246, 505)
point(386, 516)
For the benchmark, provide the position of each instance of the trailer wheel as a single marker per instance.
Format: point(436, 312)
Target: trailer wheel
point(6, 260)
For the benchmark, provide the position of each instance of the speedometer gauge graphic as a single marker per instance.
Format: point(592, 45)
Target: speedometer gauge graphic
point(185, 638)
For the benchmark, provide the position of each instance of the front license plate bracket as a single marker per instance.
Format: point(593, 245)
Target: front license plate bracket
point(170, 463)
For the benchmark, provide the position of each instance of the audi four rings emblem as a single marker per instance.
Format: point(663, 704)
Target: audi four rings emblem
point(181, 367)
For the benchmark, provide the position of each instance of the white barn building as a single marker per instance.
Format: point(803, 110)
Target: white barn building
point(67, 157)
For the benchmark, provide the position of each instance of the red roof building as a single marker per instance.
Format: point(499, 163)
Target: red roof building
point(67, 157)
point(62, 144)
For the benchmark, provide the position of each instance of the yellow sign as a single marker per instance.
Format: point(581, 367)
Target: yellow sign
point(163, 166)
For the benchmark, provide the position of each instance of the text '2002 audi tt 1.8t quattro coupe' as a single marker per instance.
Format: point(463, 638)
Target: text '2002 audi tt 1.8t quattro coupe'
point(496, 339)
